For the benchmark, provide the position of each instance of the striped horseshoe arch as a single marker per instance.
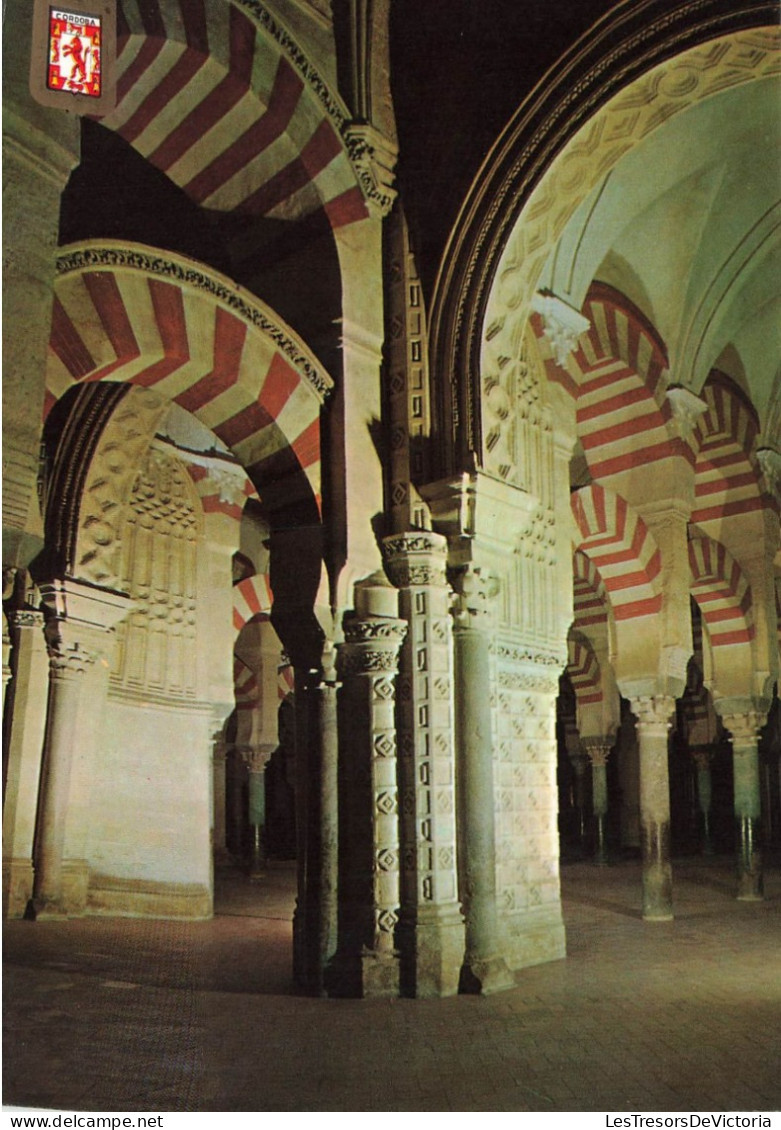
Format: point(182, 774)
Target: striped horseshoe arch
point(726, 478)
point(618, 376)
point(591, 601)
point(622, 549)
point(252, 600)
point(221, 98)
point(583, 669)
point(721, 591)
point(124, 313)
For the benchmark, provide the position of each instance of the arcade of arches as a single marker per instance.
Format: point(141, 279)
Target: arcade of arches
point(423, 557)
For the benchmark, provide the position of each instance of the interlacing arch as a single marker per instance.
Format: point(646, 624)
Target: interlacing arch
point(721, 591)
point(220, 98)
point(622, 548)
point(125, 313)
point(726, 475)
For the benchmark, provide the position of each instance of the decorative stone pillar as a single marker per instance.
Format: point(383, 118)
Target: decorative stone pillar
point(367, 961)
point(703, 756)
point(744, 728)
point(81, 616)
point(654, 715)
point(484, 969)
point(26, 719)
point(431, 926)
point(598, 751)
point(256, 759)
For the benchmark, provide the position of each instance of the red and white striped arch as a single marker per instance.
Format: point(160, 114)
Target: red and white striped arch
point(252, 600)
point(618, 376)
point(726, 478)
point(583, 669)
point(591, 601)
point(623, 551)
point(721, 591)
point(220, 97)
point(246, 686)
point(126, 313)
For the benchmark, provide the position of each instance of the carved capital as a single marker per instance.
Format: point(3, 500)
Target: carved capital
point(744, 728)
point(256, 758)
point(598, 749)
point(563, 325)
point(25, 618)
point(374, 159)
point(371, 646)
point(654, 714)
point(415, 559)
point(68, 656)
point(770, 462)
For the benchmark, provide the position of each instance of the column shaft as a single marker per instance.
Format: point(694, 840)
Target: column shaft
point(744, 728)
point(653, 720)
point(484, 968)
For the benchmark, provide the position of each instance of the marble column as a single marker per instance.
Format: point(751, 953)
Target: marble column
point(654, 716)
point(484, 969)
point(431, 925)
point(578, 760)
point(219, 788)
point(598, 751)
point(26, 720)
point(367, 960)
point(256, 758)
point(703, 756)
point(744, 728)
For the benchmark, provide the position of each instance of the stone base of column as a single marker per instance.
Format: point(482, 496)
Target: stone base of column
point(71, 902)
point(485, 975)
point(432, 951)
point(17, 887)
point(363, 976)
point(750, 878)
point(657, 873)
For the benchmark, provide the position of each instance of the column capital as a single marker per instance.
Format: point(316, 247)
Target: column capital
point(415, 558)
point(653, 713)
point(744, 727)
point(598, 749)
point(371, 645)
point(255, 757)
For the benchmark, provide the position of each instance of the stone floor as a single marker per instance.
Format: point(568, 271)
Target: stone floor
point(119, 1015)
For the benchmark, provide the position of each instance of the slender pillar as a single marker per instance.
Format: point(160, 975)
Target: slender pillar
point(484, 969)
point(598, 751)
point(26, 731)
point(319, 862)
point(219, 793)
point(703, 756)
point(431, 926)
point(256, 759)
point(367, 961)
point(327, 751)
point(578, 761)
point(744, 728)
point(654, 716)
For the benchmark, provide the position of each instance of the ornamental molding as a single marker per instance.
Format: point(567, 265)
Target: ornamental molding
point(563, 325)
point(374, 158)
point(374, 629)
point(518, 653)
point(541, 682)
point(188, 274)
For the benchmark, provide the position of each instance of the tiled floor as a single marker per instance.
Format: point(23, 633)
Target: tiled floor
point(130, 1015)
